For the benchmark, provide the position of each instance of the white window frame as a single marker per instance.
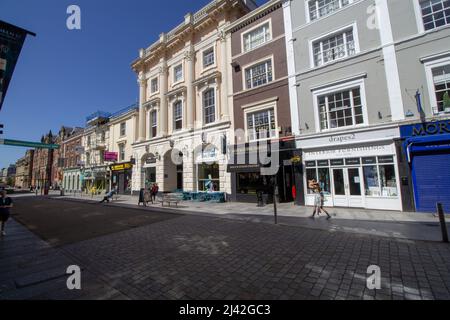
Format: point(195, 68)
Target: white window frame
point(211, 66)
point(429, 66)
point(175, 81)
point(174, 129)
point(419, 19)
point(151, 85)
point(215, 105)
point(124, 123)
point(258, 108)
point(341, 87)
point(341, 30)
point(308, 17)
point(152, 125)
point(243, 34)
point(253, 64)
point(122, 145)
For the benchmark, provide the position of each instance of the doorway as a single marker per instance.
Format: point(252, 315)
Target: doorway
point(347, 187)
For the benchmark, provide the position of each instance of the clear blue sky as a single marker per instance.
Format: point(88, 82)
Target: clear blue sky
point(62, 76)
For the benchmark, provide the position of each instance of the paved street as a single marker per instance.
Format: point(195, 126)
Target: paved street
point(206, 257)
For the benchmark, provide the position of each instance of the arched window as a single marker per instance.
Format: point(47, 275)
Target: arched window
point(209, 106)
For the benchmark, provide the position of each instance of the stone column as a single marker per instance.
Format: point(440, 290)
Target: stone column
point(162, 127)
point(142, 100)
point(224, 65)
point(190, 92)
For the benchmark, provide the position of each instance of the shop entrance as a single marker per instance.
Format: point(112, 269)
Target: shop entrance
point(347, 187)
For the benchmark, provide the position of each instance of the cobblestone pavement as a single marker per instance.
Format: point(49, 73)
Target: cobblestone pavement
point(198, 257)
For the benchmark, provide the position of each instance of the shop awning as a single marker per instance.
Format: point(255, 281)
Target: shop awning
point(427, 144)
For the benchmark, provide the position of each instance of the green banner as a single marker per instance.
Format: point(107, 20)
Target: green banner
point(17, 143)
point(11, 42)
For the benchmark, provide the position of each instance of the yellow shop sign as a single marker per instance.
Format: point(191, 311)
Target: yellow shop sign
point(120, 167)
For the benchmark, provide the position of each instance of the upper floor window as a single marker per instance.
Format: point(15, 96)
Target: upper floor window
point(154, 123)
point(441, 81)
point(89, 141)
point(331, 48)
point(321, 8)
point(88, 158)
point(121, 152)
point(178, 115)
point(208, 58)
point(123, 129)
point(178, 73)
point(261, 125)
point(258, 74)
point(340, 109)
point(154, 85)
point(257, 37)
point(209, 106)
point(435, 13)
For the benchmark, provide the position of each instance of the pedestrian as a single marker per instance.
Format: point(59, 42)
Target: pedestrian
point(6, 204)
point(155, 190)
point(319, 201)
point(109, 195)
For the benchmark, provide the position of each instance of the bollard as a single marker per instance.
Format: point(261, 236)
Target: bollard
point(443, 223)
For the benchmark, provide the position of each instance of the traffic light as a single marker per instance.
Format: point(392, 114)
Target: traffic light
point(1, 129)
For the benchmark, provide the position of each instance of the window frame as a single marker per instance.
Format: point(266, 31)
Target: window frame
point(212, 65)
point(254, 64)
point(157, 85)
point(153, 125)
point(174, 128)
point(122, 149)
point(419, 19)
point(123, 127)
point(308, 15)
point(349, 85)
point(175, 81)
point(353, 26)
point(252, 29)
point(429, 66)
point(260, 108)
point(214, 90)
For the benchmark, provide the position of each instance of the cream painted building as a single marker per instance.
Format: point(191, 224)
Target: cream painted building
point(123, 132)
point(185, 107)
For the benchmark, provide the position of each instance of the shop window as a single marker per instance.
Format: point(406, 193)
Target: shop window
point(250, 183)
point(311, 174)
point(380, 180)
point(371, 181)
point(324, 180)
point(208, 177)
point(388, 181)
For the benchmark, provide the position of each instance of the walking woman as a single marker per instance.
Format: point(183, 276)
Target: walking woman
point(6, 204)
point(319, 200)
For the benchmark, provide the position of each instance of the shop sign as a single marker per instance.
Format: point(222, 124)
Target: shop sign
point(121, 167)
point(425, 129)
point(111, 156)
point(207, 155)
point(151, 159)
point(359, 151)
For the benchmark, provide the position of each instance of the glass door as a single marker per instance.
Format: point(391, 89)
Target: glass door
point(347, 187)
point(339, 188)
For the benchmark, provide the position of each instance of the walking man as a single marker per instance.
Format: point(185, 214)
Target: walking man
point(6, 204)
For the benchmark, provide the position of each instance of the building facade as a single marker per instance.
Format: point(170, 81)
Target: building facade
point(71, 151)
point(261, 103)
point(42, 165)
point(123, 132)
point(185, 89)
point(24, 168)
point(358, 71)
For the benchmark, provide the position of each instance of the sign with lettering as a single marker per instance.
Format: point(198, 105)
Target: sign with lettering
point(111, 156)
point(121, 167)
point(425, 129)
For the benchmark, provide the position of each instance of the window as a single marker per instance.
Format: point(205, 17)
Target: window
point(154, 123)
point(88, 158)
point(121, 152)
point(257, 37)
point(435, 13)
point(154, 85)
point(441, 82)
point(259, 74)
point(89, 141)
point(209, 106)
point(123, 129)
point(321, 175)
point(321, 8)
point(178, 73)
point(340, 109)
point(261, 125)
point(208, 57)
point(178, 115)
point(250, 183)
point(208, 177)
point(335, 47)
point(380, 180)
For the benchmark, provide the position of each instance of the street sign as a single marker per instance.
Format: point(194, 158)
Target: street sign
point(17, 143)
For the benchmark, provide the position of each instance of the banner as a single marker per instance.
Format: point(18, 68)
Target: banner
point(111, 156)
point(11, 41)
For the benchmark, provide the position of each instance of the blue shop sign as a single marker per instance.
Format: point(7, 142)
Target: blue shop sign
point(425, 129)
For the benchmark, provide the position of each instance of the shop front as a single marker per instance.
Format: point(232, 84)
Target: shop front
point(208, 171)
point(148, 171)
point(249, 168)
point(95, 179)
point(355, 173)
point(427, 148)
point(121, 174)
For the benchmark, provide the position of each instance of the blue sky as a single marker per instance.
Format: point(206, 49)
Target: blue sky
point(62, 76)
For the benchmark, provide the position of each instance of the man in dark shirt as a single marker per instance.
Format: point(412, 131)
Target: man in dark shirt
point(6, 204)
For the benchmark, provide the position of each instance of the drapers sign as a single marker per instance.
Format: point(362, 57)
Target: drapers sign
point(11, 42)
point(425, 129)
